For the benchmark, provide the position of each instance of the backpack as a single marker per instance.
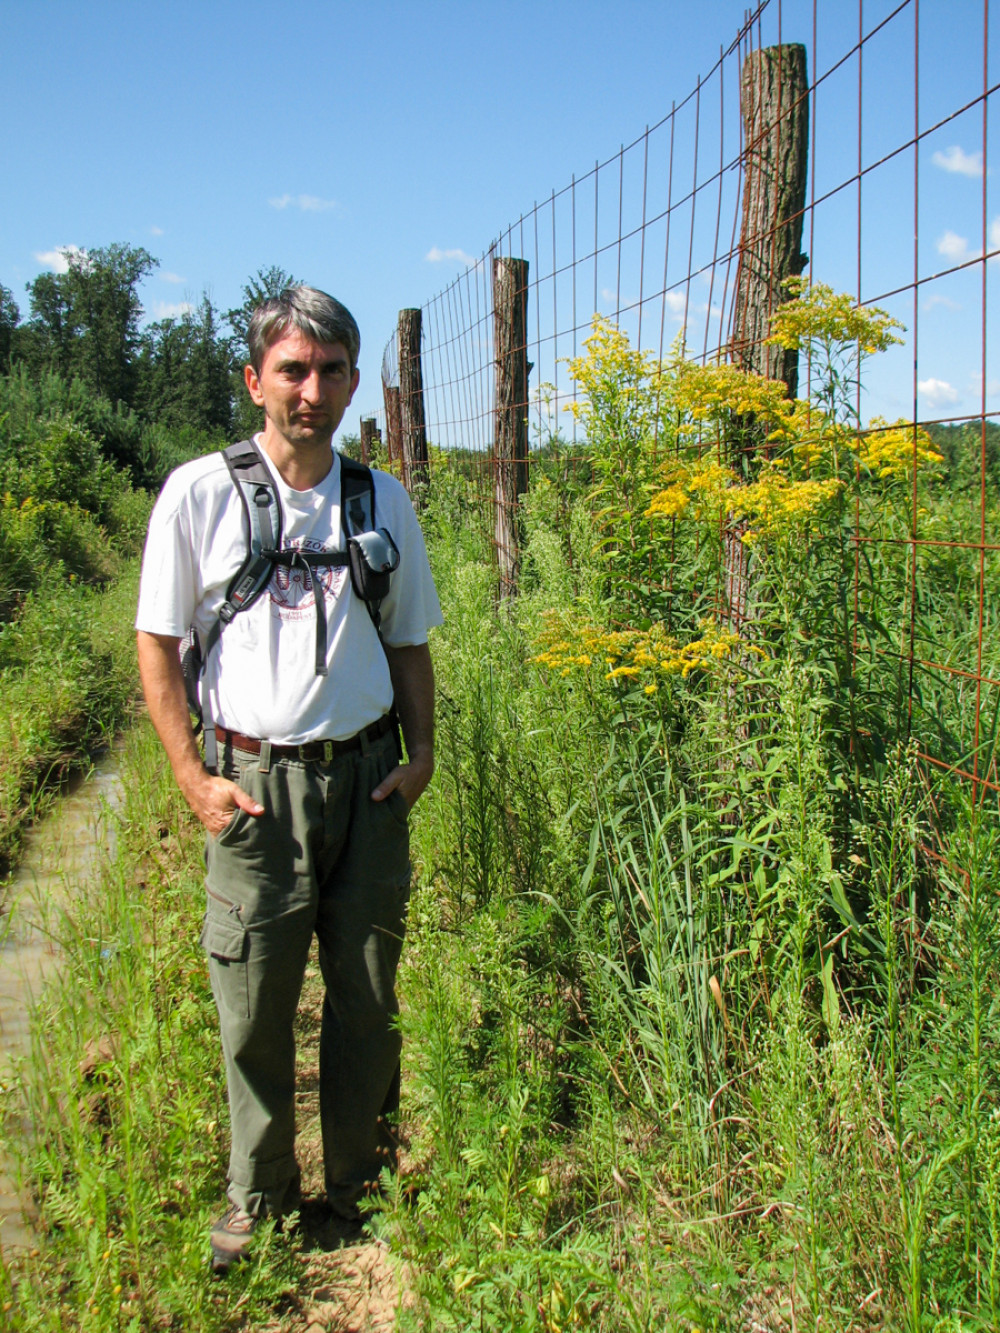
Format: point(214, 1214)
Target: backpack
point(370, 554)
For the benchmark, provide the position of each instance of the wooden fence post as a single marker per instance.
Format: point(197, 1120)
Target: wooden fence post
point(393, 425)
point(774, 102)
point(411, 402)
point(510, 339)
point(369, 434)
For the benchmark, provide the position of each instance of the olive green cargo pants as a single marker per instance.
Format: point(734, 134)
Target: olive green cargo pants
point(324, 858)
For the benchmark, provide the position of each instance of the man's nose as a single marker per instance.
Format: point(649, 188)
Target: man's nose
point(312, 387)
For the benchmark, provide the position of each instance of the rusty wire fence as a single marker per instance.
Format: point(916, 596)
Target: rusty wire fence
point(900, 210)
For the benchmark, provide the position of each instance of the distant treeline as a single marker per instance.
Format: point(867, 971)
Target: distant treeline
point(95, 409)
point(965, 448)
point(153, 395)
point(150, 395)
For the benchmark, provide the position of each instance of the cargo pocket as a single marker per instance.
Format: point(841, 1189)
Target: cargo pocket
point(225, 941)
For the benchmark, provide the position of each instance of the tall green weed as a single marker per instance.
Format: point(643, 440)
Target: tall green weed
point(126, 1099)
point(765, 940)
point(68, 681)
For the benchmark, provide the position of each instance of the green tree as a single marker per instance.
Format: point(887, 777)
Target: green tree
point(85, 322)
point(46, 341)
point(10, 317)
point(186, 373)
point(265, 283)
point(350, 444)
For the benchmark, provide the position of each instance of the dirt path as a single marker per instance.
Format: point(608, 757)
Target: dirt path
point(354, 1289)
point(61, 855)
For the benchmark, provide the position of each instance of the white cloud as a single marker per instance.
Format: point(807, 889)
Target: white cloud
point(677, 303)
point(937, 393)
point(58, 259)
point(308, 203)
point(171, 310)
point(172, 277)
point(938, 299)
point(435, 255)
point(156, 231)
point(954, 247)
point(959, 251)
point(959, 162)
point(311, 203)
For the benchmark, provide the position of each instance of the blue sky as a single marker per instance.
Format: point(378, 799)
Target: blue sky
point(374, 149)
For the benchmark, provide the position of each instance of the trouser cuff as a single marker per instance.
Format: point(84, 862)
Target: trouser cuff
point(246, 1174)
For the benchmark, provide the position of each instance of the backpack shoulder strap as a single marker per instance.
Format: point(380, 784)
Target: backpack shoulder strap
point(357, 516)
point(262, 509)
point(357, 497)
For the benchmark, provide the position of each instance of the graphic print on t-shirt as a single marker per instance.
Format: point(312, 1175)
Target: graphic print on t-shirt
point(291, 589)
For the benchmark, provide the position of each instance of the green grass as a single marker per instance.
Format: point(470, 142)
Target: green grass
point(68, 681)
point(126, 1098)
point(599, 1137)
point(699, 1014)
point(699, 1001)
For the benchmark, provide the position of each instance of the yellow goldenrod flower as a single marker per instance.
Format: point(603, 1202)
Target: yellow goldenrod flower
point(893, 451)
point(629, 654)
point(818, 314)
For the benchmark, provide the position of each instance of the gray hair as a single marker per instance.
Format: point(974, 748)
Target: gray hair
point(314, 313)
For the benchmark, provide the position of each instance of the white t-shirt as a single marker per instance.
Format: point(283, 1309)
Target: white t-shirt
point(261, 678)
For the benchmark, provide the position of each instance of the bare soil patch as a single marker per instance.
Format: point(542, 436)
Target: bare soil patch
point(344, 1288)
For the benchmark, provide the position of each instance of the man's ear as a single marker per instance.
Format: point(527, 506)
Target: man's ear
point(252, 380)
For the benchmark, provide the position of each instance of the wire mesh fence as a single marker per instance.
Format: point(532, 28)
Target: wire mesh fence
point(899, 211)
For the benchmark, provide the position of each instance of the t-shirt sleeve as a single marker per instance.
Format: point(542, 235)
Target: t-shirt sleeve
point(411, 607)
point(169, 587)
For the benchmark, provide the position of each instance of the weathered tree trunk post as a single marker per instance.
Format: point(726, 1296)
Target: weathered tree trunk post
point(774, 101)
point(411, 402)
point(369, 434)
point(510, 338)
point(393, 425)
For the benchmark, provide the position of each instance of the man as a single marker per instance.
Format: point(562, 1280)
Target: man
point(306, 813)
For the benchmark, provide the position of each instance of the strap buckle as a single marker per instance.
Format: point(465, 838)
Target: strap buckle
point(327, 751)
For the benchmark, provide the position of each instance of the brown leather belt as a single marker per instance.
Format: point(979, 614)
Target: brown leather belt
point(312, 750)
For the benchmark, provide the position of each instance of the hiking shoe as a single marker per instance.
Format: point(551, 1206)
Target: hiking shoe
point(331, 1232)
point(230, 1238)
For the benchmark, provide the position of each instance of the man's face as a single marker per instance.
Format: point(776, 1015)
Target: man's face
point(304, 387)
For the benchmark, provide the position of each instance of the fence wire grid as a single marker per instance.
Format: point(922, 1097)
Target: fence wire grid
point(901, 212)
